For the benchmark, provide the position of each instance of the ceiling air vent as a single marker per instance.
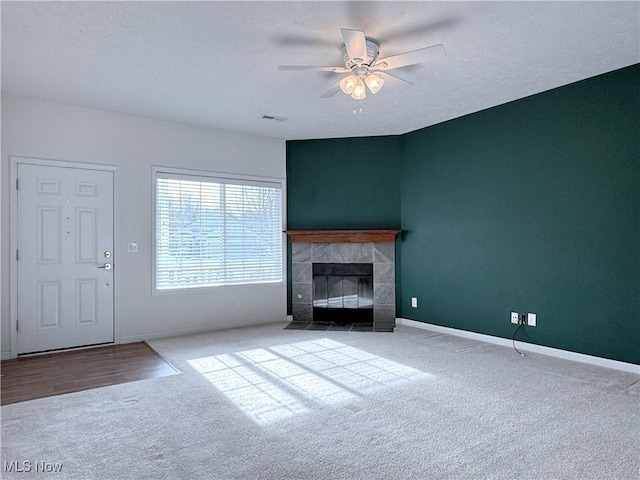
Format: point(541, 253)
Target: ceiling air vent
point(274, 117)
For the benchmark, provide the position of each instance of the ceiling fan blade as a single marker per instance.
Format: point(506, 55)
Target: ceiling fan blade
point(314, 68)
point(393, 80)
point(411, 58)
point(332, 91)
point(416, 29)
point(356, 45)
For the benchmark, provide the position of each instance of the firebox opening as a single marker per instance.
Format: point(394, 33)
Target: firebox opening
point(343, 292)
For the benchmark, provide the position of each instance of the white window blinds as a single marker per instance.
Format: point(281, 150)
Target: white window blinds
point(214, 231)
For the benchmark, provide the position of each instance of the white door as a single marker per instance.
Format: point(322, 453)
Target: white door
point(65, 257)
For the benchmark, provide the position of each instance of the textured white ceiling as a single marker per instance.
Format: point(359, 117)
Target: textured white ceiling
point(214, 63)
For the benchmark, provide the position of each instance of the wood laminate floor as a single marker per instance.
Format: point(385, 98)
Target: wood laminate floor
point(28, 378)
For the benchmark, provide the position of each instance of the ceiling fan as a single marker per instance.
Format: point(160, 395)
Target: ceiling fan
point(365, 70)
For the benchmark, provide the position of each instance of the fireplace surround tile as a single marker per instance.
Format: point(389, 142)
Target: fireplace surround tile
point(300, 252)
point(321, 253)
point(385, 318)
point(384, 252)
point(385, 313)
point(384, 272)
point(384, 293)
point(362, 252)
point(342, 253)
point(301, 293)
point(302, 313)
point(301, 272)
point(380, 254)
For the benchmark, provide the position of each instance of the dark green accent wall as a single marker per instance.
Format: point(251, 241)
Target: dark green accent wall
point(351, 183)
point(532, 206)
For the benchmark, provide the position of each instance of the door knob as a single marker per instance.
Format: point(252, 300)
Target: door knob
point(106, 266)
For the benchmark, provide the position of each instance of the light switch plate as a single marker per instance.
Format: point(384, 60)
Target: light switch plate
point(532, 319)
point(414, 302)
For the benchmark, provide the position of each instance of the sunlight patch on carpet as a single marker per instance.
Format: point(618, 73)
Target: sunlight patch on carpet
point(274, 383)
point(260, 399)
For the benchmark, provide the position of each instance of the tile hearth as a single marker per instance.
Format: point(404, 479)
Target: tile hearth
point(331, 326)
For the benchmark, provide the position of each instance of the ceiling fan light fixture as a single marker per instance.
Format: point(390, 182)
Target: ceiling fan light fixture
point(363, 67)
point(347, 84)
point(359, 91)
point(374, 82)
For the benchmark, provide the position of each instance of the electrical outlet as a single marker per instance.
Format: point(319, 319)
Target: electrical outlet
point(515, 317)
point(414, 302)
point(532, 319)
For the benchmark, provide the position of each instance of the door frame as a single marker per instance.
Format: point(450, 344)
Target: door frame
point(13, 239)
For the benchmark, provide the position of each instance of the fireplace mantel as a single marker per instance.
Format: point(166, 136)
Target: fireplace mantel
point(341, 236)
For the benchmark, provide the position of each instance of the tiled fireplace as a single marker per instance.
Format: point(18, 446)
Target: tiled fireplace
point(340, 249)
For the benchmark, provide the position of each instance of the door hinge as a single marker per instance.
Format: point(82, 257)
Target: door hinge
point(17, 325)
point(17, 254)
point(16, 184)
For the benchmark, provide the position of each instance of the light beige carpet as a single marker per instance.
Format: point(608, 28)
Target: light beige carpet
point(269, 403)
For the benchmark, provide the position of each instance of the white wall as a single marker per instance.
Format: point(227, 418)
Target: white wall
point(39, 129)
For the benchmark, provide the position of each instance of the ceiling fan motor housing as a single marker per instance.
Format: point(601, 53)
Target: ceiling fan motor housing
point(373, 50)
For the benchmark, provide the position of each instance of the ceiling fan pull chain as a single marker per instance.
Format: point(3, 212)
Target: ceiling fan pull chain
point(357, 107)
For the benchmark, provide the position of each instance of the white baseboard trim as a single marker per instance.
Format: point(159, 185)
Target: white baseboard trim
point(5, 355)
point(530, 347)
point(194, 331)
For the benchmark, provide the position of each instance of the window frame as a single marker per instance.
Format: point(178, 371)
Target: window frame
point(206, 175)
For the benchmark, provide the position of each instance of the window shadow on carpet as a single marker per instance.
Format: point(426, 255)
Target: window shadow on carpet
point(279, 382)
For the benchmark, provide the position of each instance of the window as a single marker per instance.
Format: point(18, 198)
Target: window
point(216, 231)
